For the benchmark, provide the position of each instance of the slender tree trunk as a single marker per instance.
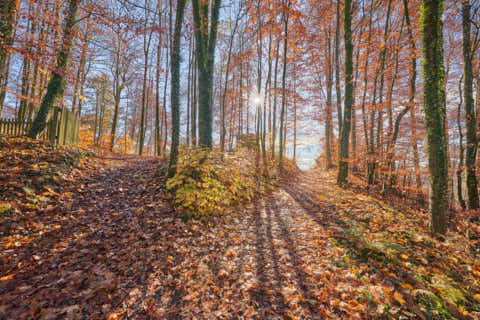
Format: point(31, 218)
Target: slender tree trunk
point(266, 100)
point(462, 149)
point(337, 68)
point(383, 55)
point(328, 111)
point(81, 70)
point(227, 73)
point(22, 112)
point(194, 100)
point(189, 85)
point(157, 94)
point(412, 93)
point(146, 52)
point(82, 87)
point(393, 128)
point(365, 89)
point(116, 111)
point(164, 124)
point(258, 115)
point(435, 113)
point(286, 17)
point(345, 132)
point(97, 103)
point(275, 93)
point(471, 156)
point(175, 88)
point(294, 114)
point(4, 84)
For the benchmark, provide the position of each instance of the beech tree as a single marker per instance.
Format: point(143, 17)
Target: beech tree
point(56, 85)
point(435, 112)
point(175, 88)
point(7, 18)
point(205, 41)
point(471, 118)
point(349, 102)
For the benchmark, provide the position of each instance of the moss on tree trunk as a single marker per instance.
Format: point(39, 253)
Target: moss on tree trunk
point(205, 54)
point(7, 17)
point(435, 112)
point(471, 155)
point(56, 86)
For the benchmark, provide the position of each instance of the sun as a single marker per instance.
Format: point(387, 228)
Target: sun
point(256, 98)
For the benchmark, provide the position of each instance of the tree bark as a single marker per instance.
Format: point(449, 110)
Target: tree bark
point(328, 111)
point(412, 93)
point(56, 86)
point(274, 112)
point(471, 156)
point(205, 51)
point(146, 53)
point(175, 88)
point(461, 147)
point(7, 20)
point(435, 113)
point(227, 72)
point(286, 17)
point(337, 68)
point(345, 132)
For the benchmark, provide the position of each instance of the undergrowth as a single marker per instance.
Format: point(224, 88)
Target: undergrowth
point(206, 185)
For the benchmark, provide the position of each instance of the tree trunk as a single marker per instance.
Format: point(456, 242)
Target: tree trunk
point(175, 88)
point(286, 17)
point(274, 112)
point(337, 68)
point(364, 97)
point(7, 20)
point(194, 99)
point(56, 86)
point(435, 113)
point(189, 86)
point(462, 149)
point(157, 94)
point(146, 53)
point(471, 156)
point(227, 72)
point(345, 132)
point(117, 96)
point(205, 51)
point(412, 93)
point(328, 111)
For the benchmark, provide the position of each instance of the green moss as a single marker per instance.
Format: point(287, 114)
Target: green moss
point(433, 304)
point(447, 291)
point(435, 112)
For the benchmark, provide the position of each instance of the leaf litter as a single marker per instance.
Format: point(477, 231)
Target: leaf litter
point(112, 247)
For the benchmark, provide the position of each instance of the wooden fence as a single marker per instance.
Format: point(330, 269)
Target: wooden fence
point(14, 127)
point(62, 128)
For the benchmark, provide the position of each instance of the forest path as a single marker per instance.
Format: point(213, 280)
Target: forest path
point(116, 251)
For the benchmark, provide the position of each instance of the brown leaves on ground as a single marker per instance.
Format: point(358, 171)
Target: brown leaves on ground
point(32, 174)
point(417, 274)
point(311, 251)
